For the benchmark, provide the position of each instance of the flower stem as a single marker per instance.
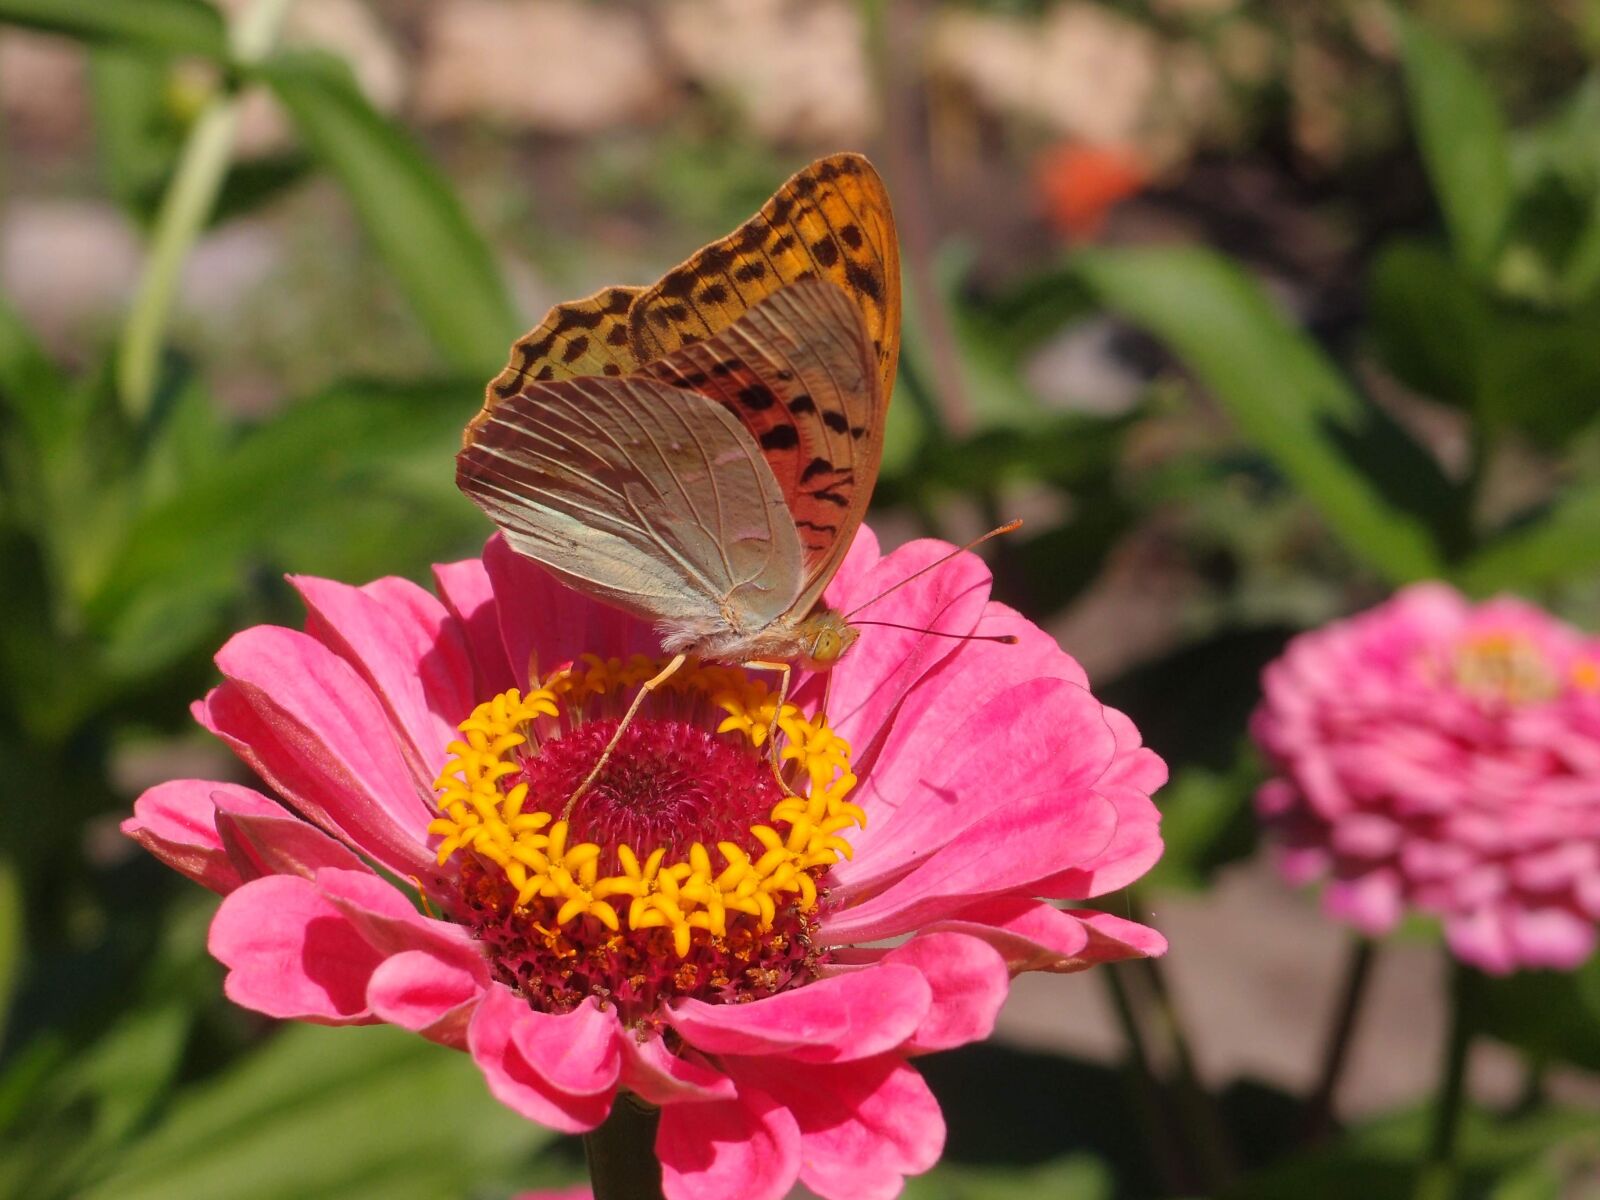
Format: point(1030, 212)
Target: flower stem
point(185, 208)
point(1208, 1133)
point(1146, 1086)
point(622, 1152)
point(1336, 1051)
point(1437, 1180)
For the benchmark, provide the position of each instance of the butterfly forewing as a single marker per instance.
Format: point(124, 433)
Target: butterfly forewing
point(830, 221)
point(650, 497)
point(799, 372)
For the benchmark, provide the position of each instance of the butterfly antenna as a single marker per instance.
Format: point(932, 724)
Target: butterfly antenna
point(1008, 527)
point(1005, 639)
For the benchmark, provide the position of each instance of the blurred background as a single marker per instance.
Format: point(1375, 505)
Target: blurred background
point(1254, 309)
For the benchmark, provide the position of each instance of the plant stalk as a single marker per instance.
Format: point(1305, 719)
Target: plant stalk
point(1438, 1179)
point(622, 1154)
point(1336, 1051)
point(185, 209)
point(1148, 1093)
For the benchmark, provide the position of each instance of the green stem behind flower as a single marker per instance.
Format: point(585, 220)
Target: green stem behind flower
point(1336, 1051)
point(185, 209)
point(1438, 1178)
point(622, 1152)
point(1148, 1094)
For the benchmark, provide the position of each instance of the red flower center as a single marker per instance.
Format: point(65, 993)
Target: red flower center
point(685, 869)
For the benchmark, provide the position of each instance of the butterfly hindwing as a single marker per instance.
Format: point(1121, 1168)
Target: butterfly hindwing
point(799, 372)
point(650, 497)
point(830, 221)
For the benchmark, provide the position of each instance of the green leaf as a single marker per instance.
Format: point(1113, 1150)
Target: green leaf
point(1382, 494)
point(335, 1113)
point(1206, 823)
point(1550, 1014)
point(1557, 544)
point(1381, 1159)
point(320, 470)
point(1464, 142)
point(407, 208)
point(169, 26)
point(1509, 364)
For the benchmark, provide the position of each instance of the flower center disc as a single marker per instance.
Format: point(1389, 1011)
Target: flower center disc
point(668, 783)
point(685, 869)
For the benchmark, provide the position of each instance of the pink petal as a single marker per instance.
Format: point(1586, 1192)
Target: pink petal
point(420, 992)
point(864, 1126)
point(492, 1041)
point(1030, 934)
point(969, 982)
point(1133, 849)
point(390, 925)
point(661, 1077)
point(279, 844)
point(860, 559)
point(1045, 739)
point(1006, 853)
point(1481, 939)
point(292, 954)
point(407, 652)
point(579, 1052)
point(744, 1149)
point(870, 682)
point(465, 590)
point(1112, 939)
point(305, 721)
point(177, 822)
point(1551, 938)
point(832, 1020)
point(1370, 902)
point(945, 701)
point(549, 624)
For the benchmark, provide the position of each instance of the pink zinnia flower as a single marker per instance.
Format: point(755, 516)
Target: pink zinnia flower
point(1443, 755)
point(758, 964)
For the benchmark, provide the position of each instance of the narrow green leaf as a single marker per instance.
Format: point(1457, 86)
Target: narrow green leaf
point(136, 132)
point(337, 1113)
point(1464, 142)
point(1561, 543)
point(10, 938)
point(408, 209)
point(169, 26)
point(1382, 494)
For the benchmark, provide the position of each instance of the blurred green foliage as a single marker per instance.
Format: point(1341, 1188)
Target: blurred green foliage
point(140, 522)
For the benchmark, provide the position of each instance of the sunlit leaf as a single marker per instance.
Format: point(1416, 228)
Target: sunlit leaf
point(408, 210)
point(334, 1113)
point(171, 26)
point(1378, 490)
point(1464, 142)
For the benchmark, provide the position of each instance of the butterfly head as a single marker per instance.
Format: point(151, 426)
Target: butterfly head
point(824, 638)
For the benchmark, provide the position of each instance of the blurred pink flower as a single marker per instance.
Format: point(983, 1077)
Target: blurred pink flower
point(768, 1006)
point(1446, 756)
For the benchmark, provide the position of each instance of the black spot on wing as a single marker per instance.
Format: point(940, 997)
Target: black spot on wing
point(817, 466)
point(835, 421)
point(780, 437)
point(756, 397)
point(803, 403)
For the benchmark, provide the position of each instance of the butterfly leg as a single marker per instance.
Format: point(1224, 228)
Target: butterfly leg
point(645, 688)
point(786, 675)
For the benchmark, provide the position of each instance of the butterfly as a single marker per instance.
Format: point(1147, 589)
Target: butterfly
point(701, 452)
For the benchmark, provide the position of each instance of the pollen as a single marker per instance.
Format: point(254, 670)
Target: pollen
point(1503, 667)
point(694, 865)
